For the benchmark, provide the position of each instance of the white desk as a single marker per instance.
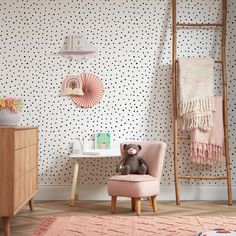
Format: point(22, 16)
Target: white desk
point(75, 184)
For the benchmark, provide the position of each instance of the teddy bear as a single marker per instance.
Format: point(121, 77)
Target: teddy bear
point(132, 163)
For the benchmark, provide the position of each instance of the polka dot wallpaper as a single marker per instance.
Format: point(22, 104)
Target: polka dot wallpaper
point(133, 38)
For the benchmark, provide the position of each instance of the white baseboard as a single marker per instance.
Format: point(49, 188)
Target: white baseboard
point(99, 192)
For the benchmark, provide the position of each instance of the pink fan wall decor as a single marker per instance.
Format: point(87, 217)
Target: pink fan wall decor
point(72, 85)
point(93, 91)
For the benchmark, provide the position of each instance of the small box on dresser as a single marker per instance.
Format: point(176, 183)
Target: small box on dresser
point(18, 170)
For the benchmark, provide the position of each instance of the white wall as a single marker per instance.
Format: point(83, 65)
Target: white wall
point(134, 61)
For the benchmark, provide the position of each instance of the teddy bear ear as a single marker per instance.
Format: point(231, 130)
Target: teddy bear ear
point(124, 146)
point(140, 147)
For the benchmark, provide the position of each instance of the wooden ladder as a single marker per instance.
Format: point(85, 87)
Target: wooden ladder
point(175, 27)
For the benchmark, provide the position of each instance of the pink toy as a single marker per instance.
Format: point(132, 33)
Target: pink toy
point(93, 91)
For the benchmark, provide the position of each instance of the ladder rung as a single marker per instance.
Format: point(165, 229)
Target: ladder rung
point(183, 136)
point(203, 177)
point(217, 61)
point(198, 25)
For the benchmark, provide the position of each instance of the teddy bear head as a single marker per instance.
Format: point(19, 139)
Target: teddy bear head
point(132, 149)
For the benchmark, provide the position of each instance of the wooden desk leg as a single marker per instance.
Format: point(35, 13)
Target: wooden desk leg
point(74, 183)
point(77, 188)
point(31, 204)
point(6, 225)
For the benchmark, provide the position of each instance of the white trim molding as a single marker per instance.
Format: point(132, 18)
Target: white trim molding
point(99, 192)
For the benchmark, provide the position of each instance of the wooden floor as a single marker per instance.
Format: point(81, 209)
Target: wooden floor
point(25, 221)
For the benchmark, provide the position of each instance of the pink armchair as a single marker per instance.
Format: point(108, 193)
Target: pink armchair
point(137, 186)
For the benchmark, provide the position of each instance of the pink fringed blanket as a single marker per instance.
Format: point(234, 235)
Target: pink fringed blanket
point(207, 146)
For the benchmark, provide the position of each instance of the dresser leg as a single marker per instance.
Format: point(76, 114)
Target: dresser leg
point(31, 204)
point(6, 225)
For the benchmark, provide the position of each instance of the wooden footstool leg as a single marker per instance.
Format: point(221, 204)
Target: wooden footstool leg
point(6, 226)
point(113, 204)
point(133, 203)
point(150, 201)
point(154, 203)
point(138, 206)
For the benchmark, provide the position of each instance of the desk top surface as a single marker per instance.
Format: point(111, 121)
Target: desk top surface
point(101, 153)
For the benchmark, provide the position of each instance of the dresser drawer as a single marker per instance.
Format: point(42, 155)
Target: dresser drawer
point(25, 159)
point(24, 138)
point(24, 187)
point(18, 167)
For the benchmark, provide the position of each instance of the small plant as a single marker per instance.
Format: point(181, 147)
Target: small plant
point(11, 104)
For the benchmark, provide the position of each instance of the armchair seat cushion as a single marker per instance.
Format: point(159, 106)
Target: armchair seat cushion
point(133, 178)
point(133, 186)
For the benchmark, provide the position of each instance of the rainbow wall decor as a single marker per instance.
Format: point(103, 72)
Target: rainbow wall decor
point(72, 85)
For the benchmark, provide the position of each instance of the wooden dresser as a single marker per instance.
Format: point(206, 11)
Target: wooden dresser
point(18, 170)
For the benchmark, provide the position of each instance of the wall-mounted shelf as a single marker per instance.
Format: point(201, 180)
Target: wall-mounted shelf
point(70, 52)
point(86, 52)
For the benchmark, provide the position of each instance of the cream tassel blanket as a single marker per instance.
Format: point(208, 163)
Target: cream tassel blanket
point(196, 92)
point(207, 147)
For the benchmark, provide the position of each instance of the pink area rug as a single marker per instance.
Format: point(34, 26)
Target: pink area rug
point(131, 225)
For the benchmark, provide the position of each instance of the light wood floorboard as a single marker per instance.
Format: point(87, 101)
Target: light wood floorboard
point(25, 221)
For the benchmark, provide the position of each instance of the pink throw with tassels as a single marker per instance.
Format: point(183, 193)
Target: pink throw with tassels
point(207, 147)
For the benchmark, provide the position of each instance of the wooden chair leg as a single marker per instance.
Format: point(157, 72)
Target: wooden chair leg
point(138, 206)
point(31, 204)
point(133, 203)
point(150, 201)
point(6, 226)
point(113, 204)
point(154, 203)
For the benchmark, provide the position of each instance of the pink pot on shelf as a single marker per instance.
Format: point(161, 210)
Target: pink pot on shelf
point(8, 117)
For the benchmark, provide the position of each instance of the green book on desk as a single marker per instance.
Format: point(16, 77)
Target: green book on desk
point(103, 141)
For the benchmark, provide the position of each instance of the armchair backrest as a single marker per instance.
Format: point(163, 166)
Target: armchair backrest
point(153, 153)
